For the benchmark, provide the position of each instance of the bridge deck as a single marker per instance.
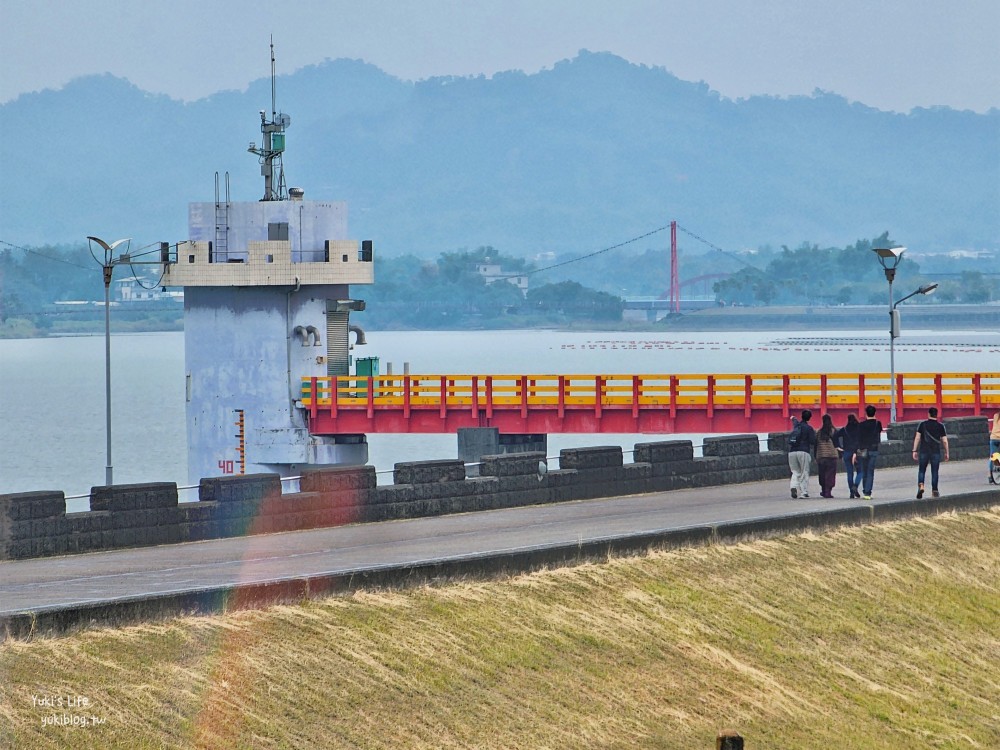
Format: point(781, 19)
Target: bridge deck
point(655, 404)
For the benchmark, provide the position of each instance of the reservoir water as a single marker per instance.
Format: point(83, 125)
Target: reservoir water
point(52, 389)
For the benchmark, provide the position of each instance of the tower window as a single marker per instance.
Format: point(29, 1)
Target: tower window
point(277, 230)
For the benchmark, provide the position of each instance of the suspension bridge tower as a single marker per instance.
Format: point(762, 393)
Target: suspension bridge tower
point(267, 302)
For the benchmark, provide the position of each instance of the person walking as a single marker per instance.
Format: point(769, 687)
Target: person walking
point(827, 455)
point(866, 456)
point(929, 443)
point(846, 439)
point(994, 443)
point(801, 444)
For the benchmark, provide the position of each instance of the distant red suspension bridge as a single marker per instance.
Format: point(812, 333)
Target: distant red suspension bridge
point(654, 404)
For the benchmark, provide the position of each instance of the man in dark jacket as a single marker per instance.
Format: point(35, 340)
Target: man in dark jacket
point(801, 444)
point(869, 438)
point(930, 442)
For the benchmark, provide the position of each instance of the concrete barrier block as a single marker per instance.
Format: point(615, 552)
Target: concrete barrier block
point(424, 472)
point(127, 497)
point(974, 427)
point(23, 506)
point(597, 457)
point(443, 490)
point(336, 479)
point(511, 464)
point(665, 451)
point(562, 477)
point(393, 494)
point(18, 530)
point(778, 441)
point(484, 485)
point(731, 445)
point(241, 488)
point(519, 483)
point(902, 430)
point(197, 512)
point(538, 496)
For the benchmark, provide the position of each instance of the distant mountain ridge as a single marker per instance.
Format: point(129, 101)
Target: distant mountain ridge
point(571, 159)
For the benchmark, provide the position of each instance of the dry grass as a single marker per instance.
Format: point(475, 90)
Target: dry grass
point(875, 637)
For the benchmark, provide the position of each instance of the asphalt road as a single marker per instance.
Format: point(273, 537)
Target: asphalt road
point(86, 580)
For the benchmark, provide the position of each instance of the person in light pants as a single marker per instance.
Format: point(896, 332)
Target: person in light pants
point(801, 445)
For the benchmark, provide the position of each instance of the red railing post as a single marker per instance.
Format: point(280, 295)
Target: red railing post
point(786, 396)
point(489, 396)
point(313, 398)
point(861, 394)
point(406, 396)
point(822, 395)
point(747, 396)
point(475, 395)
point(443, 408)
point(900, 406)
point(977, 394)
point(524, 397)
point(334, 393)
point(371, 396)
point(710, 394)
point(598, 396)
point(939, 393)
point(636, 394)
point(561, 408)
point(673, 396)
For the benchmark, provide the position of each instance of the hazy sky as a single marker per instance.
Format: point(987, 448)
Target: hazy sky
point(889, 54)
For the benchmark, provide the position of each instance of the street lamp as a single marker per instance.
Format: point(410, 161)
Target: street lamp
point(893, 335)
point(889, 258)
point(108, 265)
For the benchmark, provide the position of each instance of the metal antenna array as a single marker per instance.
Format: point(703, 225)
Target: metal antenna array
point(272, 146)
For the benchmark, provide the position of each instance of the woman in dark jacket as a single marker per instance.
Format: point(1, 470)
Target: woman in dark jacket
point(846, 439)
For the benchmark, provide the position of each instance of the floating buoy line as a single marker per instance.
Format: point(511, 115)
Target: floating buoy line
point(785, 345)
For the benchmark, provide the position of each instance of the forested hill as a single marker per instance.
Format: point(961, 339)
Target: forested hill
point(588, 153)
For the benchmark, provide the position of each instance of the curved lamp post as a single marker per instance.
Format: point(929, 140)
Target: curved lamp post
point(108, 265)
point(889, 258)
point(894, 334)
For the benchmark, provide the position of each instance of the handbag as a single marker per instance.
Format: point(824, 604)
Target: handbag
point(861, 453)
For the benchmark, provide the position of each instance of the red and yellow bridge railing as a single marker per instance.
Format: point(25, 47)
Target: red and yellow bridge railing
point(687, 403)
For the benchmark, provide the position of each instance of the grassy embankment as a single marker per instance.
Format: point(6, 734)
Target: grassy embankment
point(862, 638)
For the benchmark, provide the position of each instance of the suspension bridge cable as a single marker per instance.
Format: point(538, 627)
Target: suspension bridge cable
point(584, 257)
point(716, 247)
point(43, 255)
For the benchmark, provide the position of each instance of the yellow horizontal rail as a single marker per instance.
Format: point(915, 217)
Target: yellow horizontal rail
point(759, 390)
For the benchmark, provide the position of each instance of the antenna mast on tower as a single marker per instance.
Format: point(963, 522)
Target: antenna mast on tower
point(272, 146)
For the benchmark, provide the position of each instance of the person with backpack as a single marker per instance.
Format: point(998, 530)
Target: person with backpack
point(866, 456)
point(846, 439)
point(801, 444)
point(930, 442)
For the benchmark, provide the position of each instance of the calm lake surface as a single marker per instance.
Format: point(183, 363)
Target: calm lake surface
point(52, 389)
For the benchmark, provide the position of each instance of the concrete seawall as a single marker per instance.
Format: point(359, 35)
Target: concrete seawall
point(36, 524)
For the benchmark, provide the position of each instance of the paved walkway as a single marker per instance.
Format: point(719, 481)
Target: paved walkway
point(343, 553)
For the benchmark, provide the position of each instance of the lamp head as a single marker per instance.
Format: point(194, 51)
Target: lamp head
point(927, 289)
point(889, 257)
